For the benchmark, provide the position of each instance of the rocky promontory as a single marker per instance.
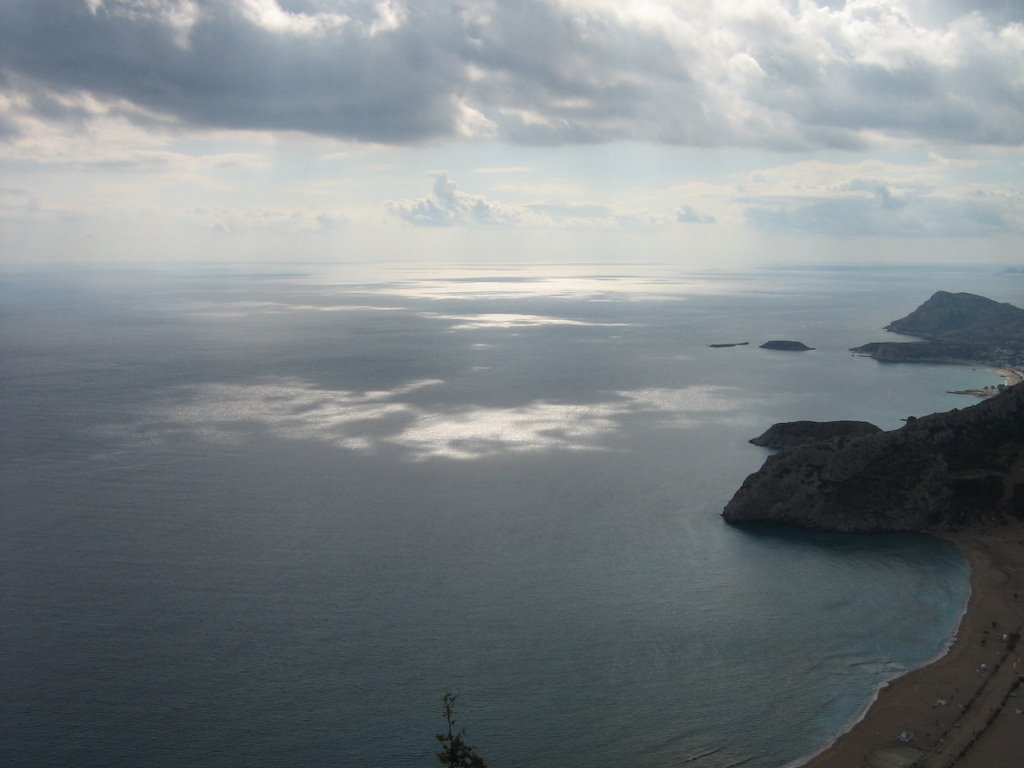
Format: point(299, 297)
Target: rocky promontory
point(791, 433)
point(939, 472)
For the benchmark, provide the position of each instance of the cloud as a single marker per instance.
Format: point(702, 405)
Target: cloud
point(687, 214)
point(18, 203)
point(294, 220)
point(365, 73)
point(758, 73)
point(447, 206)
point(877, 211)
point(875, 198)
point(504, 169)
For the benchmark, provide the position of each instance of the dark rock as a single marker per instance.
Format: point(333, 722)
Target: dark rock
point(943, 471)
point(786, 346)
point(790, 433)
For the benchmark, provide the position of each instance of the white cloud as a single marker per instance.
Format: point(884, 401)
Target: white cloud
point(447, 205)
point(17, 203)
point(873, 198)
point(978, 214)
point(515, 169)
point(259, 219)
point(687, 214)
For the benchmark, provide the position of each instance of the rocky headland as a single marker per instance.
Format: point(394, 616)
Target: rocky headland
point(956, 328)
point(791, 433)
point(946, 471)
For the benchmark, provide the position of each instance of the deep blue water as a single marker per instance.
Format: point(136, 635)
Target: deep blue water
point(268, 519)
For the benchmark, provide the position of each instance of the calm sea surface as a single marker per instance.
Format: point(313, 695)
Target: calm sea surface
point(269, 518)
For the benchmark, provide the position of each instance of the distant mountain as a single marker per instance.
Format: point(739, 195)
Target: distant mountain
point(958, 328)
point(944, 471)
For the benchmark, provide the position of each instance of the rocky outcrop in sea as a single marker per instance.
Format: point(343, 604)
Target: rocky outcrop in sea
point(786, 345)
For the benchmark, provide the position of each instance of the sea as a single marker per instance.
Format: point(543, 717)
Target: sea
point(269, 515)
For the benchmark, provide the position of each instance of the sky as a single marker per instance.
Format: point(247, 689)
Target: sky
point(689, 131)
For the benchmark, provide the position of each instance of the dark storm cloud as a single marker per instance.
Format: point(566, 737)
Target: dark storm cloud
point(223, 68)
point(770, 74)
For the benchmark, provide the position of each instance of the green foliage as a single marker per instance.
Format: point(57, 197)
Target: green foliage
point(455, 752)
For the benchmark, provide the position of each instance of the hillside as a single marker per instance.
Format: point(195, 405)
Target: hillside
point(957, 328)
point(963, 317)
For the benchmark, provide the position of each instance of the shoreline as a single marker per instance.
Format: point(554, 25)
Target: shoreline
point(1013, 376)
point(966, 707)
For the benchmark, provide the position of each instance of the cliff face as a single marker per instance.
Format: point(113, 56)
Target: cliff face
point(944, 471)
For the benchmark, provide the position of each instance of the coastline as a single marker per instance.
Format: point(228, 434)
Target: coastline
point(1013, 376)
point(962, 708)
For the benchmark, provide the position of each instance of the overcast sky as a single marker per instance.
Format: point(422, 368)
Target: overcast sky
point(705, 132)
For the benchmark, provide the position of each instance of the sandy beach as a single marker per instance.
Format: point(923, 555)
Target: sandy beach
point(1013, 376)
point(965, 709)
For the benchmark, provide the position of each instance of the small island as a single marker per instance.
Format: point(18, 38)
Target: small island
point(786, 346)
point(729, 344)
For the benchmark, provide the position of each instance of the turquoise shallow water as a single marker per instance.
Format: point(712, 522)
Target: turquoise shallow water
point(268, 519)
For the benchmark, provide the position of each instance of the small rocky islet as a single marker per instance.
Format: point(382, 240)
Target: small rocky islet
point(784, 345)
